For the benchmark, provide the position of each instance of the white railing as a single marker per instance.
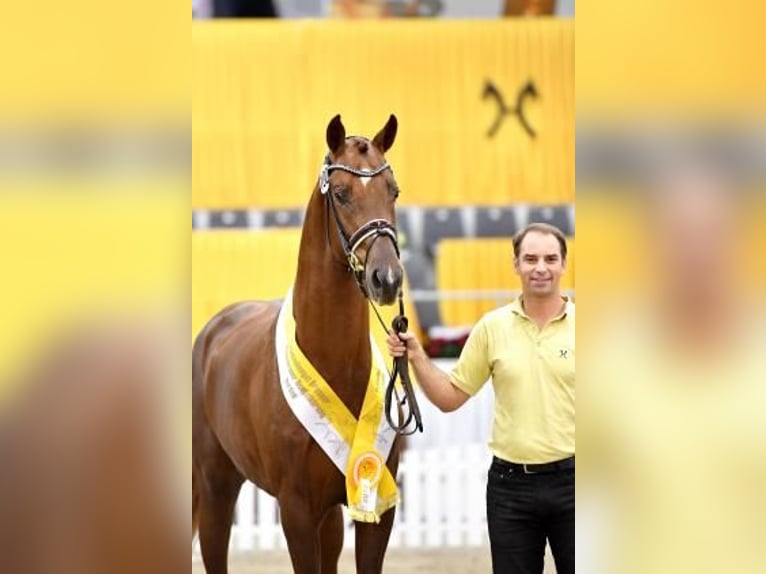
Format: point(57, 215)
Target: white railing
point(442, 504)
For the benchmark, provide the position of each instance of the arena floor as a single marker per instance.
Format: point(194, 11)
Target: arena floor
point(398, 561)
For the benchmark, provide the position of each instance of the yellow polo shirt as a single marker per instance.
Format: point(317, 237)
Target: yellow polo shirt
point(533, 376)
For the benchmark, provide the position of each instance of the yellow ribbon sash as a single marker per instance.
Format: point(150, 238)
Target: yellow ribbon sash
point(358, 448)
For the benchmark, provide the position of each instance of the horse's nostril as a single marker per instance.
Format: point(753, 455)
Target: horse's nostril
point(376, 282)
point(398, 277)
point(385, 282)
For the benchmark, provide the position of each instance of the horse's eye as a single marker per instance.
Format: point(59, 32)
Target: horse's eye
point(394, 191)
point(341, 194)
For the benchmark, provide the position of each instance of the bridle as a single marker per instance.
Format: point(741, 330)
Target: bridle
point(374, 229)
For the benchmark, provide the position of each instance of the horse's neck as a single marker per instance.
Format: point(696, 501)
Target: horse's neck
point(331, 314)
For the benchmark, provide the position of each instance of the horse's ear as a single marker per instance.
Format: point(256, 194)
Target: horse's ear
point(336, 134)
point(385, 138)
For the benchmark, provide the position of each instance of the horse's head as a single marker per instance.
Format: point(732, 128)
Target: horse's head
point(361, 192)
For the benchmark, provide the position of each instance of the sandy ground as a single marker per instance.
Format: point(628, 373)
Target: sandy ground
point(398, 561)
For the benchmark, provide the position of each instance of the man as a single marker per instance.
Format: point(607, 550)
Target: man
point(527, 347)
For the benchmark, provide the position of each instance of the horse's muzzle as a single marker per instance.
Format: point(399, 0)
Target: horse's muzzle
point(384, 283)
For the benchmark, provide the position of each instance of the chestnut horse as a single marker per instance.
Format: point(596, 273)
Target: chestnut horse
point(243, 427)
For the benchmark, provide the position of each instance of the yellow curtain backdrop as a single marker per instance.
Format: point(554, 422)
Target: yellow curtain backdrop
point(263, 93)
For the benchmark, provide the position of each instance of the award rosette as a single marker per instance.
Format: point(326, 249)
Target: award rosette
point(368, 468)
point(370, 486)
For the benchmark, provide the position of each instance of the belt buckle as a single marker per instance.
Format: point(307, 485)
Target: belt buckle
point(527, 471)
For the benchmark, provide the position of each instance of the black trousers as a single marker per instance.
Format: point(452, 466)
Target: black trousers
point(525, 510)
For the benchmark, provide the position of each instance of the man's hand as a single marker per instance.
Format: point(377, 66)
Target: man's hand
point(397, 344)
point(434, 382)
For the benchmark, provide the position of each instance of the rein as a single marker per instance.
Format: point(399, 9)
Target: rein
point(374, 229)
point(401, 368)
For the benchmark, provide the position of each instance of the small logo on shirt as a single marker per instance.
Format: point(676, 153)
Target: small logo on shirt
point(563, 353)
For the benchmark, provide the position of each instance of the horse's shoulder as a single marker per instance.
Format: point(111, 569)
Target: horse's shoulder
point(249, 319)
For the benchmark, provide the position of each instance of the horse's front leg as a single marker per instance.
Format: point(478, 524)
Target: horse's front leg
point(331, 539)
point(301, 528)
point(371, 543)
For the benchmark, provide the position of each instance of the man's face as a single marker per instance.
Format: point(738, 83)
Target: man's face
point(539, 264)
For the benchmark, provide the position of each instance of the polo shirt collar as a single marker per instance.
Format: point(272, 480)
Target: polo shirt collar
point(518, 308)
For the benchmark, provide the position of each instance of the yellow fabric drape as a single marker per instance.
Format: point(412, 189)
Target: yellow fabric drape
point(263, 93)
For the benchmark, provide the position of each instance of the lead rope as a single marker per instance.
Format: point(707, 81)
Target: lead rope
point(401, 368)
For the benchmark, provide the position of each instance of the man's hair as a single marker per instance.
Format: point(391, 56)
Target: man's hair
point(542, 228)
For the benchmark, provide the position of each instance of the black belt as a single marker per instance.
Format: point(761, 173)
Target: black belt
point(546, 467)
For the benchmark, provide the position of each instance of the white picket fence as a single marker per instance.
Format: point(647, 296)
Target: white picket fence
point(442, 504)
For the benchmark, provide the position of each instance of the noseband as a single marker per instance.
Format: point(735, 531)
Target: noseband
point(372, 229)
